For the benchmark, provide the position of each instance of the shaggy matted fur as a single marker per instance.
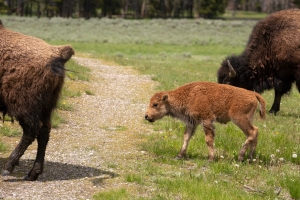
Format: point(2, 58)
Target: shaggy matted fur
point(271, 58)
point(31, 77)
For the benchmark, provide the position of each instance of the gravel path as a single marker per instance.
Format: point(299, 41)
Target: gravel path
point(88, 153)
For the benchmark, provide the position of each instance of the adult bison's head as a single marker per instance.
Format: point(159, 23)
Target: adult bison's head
point(235, 71)
point(157, 108)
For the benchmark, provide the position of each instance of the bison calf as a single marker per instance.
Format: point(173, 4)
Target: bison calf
point(203, 103)
point(31, 77)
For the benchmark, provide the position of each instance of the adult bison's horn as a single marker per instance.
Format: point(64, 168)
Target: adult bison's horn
point(232, 73)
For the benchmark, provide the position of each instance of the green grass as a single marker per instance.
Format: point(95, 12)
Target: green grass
point(120, 194)
point(10, 132)
point(175, 52)
point(3, 146)
point(243, 15)
point(56, 120)
point(77, 72)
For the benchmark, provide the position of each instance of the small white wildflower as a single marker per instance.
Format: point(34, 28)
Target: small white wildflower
point(281, 159)
point(259, 166)
point(272, 156)
point(265, 125)
point(216, 181)
point(222, 157)
point(277, 150)
point(236, 165)
point(294, 155)
point(254, 160)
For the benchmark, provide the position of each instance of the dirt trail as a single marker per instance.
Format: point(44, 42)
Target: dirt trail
point(87, 154)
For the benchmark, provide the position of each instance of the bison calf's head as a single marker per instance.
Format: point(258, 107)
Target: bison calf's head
point(157, 108)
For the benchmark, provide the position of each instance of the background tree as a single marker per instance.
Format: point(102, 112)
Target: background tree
point(110, 7)
point(212, 8)
point(140, 8)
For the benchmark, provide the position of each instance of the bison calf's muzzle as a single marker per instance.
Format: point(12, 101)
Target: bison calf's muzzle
point(204, 103)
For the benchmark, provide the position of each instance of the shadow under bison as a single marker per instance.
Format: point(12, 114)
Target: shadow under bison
point(58, 171)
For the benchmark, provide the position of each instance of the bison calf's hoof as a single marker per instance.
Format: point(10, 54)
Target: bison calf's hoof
point(179, 157)
point(241, 159)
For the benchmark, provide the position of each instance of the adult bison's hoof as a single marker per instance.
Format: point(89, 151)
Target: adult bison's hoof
point(5, 173)
point(273, 111)
point(31, 177)
point(27, 178)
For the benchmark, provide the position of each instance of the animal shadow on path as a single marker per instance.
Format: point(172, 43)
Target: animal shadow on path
point(54, 171)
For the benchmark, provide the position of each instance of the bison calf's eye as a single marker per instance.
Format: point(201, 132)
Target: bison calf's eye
point(155, 105)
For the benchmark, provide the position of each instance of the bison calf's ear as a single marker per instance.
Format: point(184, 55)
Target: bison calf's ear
point(165, 97)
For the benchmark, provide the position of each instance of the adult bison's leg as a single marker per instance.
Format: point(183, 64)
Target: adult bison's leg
point(276, 104)
point(209, 130)
point(281, 87)
point(188, 133)
point(42, 139)
point(27, 138)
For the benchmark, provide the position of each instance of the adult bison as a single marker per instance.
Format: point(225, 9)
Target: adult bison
point(271, 58)
point(31, 77)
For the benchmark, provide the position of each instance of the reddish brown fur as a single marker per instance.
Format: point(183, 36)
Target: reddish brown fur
point(203, 103)
point(31, 77)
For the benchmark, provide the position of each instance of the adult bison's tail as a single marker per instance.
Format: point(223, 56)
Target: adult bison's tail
point(57, 64)
point(66, 52)
point(262, 109)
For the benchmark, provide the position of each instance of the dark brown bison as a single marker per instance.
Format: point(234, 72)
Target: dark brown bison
point(31, 77)
point(271, 58)
point(204, 103)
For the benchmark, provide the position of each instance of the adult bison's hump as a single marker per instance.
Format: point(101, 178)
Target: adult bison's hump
point(277, 38)
point(30, 50)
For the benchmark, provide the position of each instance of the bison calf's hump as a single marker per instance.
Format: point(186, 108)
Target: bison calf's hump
point(205, 102)
point(32, 74)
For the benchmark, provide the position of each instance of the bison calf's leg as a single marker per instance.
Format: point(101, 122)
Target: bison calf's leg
point(209, 131)
point(188, 133)
point(253, 144)
point(251, 133)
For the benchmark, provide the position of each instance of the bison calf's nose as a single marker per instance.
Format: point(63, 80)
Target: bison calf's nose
point(146, 117)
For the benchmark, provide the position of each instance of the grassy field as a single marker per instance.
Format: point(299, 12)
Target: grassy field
point(175, 52)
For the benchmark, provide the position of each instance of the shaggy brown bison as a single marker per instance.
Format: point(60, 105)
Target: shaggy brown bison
point(31, 77)
point(271, 58)
point(203, 103)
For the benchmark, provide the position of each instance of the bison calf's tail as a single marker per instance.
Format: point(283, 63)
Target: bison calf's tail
point(262, 102)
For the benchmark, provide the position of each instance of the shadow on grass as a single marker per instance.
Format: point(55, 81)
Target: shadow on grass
point(54, 171)
point(286, 114)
